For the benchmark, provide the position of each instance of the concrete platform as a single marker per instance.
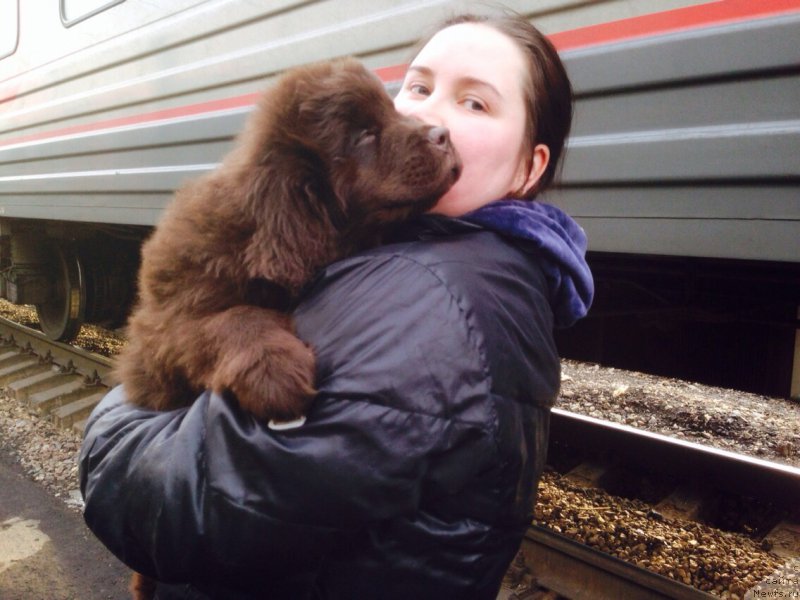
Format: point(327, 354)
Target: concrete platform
point(46, 551)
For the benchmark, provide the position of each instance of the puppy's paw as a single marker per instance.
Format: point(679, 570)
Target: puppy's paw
point(273, 383)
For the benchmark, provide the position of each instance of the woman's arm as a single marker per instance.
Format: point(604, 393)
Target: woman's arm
point(207, 492)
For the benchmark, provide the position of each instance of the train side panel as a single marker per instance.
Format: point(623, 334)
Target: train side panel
point(685, 143)
point(140, 101)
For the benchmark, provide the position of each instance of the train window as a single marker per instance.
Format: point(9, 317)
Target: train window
point(9, 27)
point(75, 11)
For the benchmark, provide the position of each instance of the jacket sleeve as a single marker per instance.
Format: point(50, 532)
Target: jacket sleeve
point(207, 492)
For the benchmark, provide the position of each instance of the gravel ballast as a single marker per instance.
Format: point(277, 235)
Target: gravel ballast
point(760, 426)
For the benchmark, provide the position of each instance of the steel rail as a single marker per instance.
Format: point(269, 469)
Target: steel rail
point(62, 354)
point(54, 379)
point(728, 471)
point(579, 572)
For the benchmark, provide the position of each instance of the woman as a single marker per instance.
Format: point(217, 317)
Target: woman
point(414, 474)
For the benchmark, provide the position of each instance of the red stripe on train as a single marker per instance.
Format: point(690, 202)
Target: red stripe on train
point(158, 115)
point(719, 12)
point(691, 17)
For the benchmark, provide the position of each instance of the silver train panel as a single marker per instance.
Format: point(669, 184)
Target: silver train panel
point(684, 144)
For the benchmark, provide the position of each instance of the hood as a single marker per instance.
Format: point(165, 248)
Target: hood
point(552, 234)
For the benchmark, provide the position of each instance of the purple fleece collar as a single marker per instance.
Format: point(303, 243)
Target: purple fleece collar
point(560, 241)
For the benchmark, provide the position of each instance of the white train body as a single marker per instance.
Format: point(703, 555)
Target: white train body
point(685, 140)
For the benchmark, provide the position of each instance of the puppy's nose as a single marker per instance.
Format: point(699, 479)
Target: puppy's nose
point(439, 136)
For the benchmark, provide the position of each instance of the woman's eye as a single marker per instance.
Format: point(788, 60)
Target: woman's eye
point(419, 89)
point(474, 105)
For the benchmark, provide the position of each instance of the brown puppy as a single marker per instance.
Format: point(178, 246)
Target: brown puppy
point(323, 164)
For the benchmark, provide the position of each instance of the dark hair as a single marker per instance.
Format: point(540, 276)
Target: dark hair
point(548, 92)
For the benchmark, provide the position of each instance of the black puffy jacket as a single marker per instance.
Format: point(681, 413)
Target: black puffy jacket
point(415, 472)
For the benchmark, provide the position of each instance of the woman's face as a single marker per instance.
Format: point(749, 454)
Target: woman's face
point(469, 78)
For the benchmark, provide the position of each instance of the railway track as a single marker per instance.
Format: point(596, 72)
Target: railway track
point(57, 380)
point(699, 476)
point(64, 383)
point(550, 564)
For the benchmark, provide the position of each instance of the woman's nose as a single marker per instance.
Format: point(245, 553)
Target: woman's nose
point(424, 110)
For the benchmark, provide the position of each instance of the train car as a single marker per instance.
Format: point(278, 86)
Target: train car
point(682, 166)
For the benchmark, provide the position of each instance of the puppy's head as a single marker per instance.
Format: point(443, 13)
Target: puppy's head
point(366, 163)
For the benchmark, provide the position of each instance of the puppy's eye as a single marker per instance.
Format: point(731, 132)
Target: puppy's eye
point(366, 137)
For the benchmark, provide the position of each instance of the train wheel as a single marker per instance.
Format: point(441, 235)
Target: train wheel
point(62, 315)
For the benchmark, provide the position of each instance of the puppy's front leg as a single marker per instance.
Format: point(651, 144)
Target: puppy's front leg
point(261, 360)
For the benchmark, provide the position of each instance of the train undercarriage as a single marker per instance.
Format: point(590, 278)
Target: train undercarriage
point(72, 273)
point(720, 322)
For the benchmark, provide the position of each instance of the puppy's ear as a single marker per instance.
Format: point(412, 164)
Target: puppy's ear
point(315, 189)
point(292, 238)
point(337, 196)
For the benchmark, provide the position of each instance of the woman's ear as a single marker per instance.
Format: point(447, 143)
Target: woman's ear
point(538, 165)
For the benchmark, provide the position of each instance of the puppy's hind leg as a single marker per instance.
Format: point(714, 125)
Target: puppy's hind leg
point(261, 360)
point(151, 376)
point(141, 587)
